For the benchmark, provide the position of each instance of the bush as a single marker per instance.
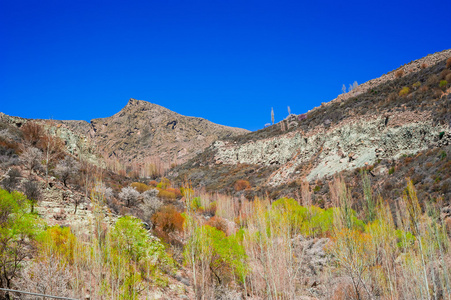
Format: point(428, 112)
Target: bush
point(242, 185)
point(399, 73)
point(168, 195)
point(32, 133)
point(164, 183)
point(448, 62)
point(140, 187)
point(12, 180)
point(424, 66)
point(416, 85)
point(218, 223)
point(443, 83)
point(153, 183)
point(168, 219)
point(404, 91)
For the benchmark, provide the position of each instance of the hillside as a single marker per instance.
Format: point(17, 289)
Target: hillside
point(402, 114)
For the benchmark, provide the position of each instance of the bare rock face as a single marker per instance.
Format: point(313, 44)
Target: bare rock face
point(144, 130)
point(350, 144)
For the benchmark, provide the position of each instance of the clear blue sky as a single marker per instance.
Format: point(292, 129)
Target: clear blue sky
point(226, 61)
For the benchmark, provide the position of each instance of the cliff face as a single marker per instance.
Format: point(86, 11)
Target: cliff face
point(353, 143)
point(145, 130)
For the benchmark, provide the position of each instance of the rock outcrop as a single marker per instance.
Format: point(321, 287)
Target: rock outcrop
point(350, 144)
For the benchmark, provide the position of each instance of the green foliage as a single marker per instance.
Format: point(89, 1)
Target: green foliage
point(18, 229)
point(224, 255)
point(405, 239)
point(391, 170)
point(443, 83)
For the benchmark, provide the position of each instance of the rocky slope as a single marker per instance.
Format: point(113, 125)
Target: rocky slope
point(374, 123)
point(140, 131)
point(144, 130)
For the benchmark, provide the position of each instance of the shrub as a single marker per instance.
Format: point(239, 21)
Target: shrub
point(242, 185)
point(218, 223)
point(168, 195)
point(140, 187)
point(32, 133)
point(404, 91)
point(168, 219)
point(448, 62)
point(391, 170)
point(12, 180)
point(399, 73)
point(416, 85)
point(443, 83)
point(424, 65)
point(164, 183)
point(153, 183)
point(175, 191)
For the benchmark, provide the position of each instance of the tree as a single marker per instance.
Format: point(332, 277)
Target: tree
point(32, 133)
point(67, 168)
point(343, 88)
point(52, 147)
point(31, 157)
point(272, 115)
point(129, 195)
point(32, 191)
point(18, 228)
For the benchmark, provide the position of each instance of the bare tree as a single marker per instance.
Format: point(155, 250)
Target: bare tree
point(52, 147)
point(129, 195)
point(343, 88)
point(32, 191)
point(272, 115)
point(47, 276)
point(31, 157)
point(67, 168)
point(150, 204)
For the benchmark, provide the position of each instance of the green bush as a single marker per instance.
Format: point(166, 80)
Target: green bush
point(443, 83)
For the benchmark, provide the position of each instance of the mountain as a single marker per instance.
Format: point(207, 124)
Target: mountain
point(402, 114)
point(144, 130)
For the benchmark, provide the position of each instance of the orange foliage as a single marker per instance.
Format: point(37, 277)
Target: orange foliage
point(153, 183)
point(448, 63)
point(176, 192)
point(32, 133)
point(424, 66)
point(242, 185)
point(218, 223)
point(399, 73)
point(168, 219)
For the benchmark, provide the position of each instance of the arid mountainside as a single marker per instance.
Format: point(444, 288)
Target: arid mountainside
point(141, 131)
point(144, 130)
point(402, 113)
